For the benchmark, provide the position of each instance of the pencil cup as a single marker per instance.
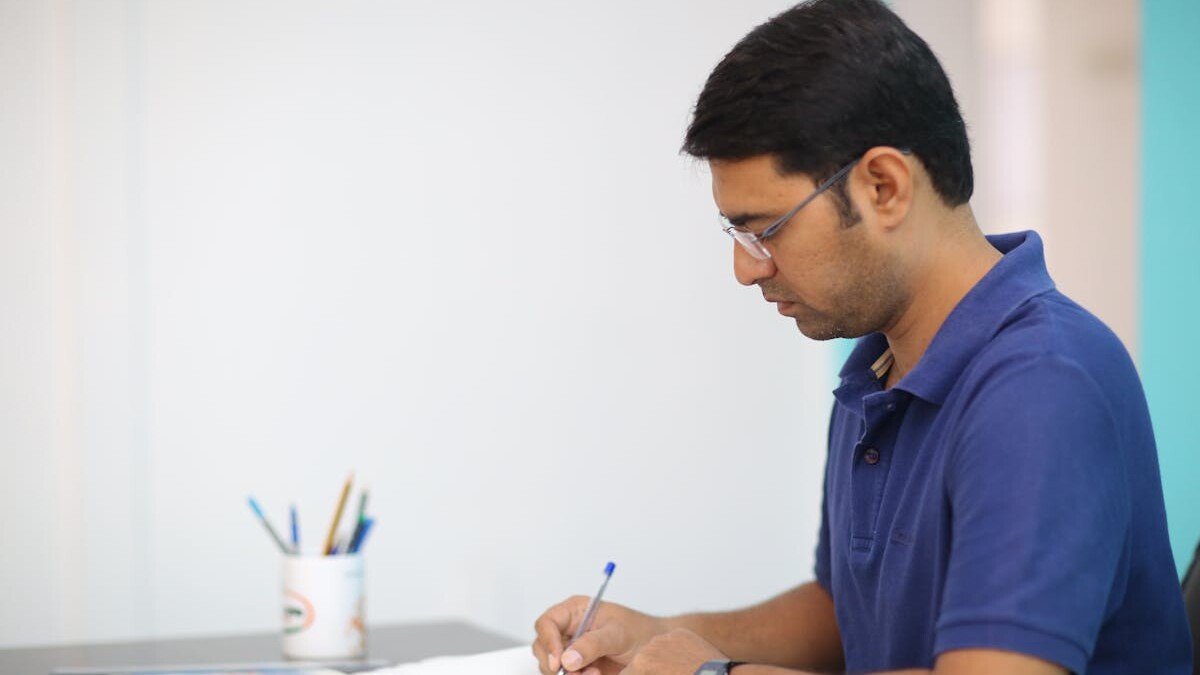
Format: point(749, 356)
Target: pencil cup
point(324, 615)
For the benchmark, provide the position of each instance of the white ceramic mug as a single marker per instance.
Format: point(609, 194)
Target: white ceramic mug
point(324, 613)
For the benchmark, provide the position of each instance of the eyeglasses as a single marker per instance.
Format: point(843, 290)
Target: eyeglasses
point(753, 243)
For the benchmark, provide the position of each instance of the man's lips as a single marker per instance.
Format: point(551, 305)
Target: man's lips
point(782, 305)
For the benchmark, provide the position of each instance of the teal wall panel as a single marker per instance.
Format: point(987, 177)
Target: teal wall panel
point(1170, 294)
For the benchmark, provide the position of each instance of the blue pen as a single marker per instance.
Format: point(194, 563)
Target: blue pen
point(274, 535)
point(591, 610)
point(356, 545)
point(295, 532)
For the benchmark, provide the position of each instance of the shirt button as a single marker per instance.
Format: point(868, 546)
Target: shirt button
point(891, 407)
point(871, 456)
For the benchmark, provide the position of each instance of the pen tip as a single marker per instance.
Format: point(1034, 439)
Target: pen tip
point(608, 569)
point(254, 505)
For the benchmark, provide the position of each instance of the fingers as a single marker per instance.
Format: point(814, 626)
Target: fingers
point(604, 640)
point(539, 653)
point(553, 628)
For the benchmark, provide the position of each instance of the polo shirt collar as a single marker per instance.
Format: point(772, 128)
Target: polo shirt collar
point(1018, 276)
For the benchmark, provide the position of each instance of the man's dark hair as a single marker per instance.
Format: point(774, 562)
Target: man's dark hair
point(824, 82)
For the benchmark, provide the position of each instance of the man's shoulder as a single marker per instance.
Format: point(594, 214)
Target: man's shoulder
point(1051, 347)
point(1052, 328)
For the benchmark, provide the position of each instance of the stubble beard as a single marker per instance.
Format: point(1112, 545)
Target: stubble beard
point(866, 303)
point(864, 309)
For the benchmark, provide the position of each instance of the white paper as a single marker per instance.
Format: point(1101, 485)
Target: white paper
point(514, 661)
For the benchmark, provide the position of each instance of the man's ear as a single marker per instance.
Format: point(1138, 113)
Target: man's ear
point(887, 177)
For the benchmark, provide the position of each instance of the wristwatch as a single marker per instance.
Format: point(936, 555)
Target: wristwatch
point(720, 667)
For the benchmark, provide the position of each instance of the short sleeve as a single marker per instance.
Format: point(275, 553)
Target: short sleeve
point(1040, 515)
point(821, 562)
point(822, 566)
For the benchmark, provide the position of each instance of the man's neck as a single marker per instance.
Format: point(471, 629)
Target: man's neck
point(946, 276)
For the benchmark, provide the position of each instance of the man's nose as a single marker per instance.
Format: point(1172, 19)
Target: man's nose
point(750, 270)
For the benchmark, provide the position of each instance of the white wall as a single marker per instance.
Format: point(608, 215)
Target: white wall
point(1051, 93)
point(250, 247)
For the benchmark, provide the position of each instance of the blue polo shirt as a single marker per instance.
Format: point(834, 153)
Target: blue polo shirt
point(1005, 494)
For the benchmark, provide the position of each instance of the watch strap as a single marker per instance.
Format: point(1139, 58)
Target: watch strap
point(718, 667)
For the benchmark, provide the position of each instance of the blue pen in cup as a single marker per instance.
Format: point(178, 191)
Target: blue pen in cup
point(586, 623)
point(295, 532)
point(360, 534)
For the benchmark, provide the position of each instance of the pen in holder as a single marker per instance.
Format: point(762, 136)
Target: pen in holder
point(324, 613)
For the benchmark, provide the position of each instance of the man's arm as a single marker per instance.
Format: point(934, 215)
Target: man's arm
point(681, 652)
point(960, 662)
point(793, 630)
point(796, 629)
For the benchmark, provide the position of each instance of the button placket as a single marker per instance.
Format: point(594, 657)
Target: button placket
point(869, 470)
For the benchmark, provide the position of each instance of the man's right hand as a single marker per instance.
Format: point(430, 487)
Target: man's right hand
point(616, 635)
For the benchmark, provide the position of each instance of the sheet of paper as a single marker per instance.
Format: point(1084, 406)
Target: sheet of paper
point(205, 669)
point(514, 661)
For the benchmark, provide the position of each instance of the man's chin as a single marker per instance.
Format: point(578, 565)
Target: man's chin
point(823, 332)
point(815, 331)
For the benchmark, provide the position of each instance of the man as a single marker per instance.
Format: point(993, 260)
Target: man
point(992, 496)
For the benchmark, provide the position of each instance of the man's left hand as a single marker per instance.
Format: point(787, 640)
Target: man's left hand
point(677, 652)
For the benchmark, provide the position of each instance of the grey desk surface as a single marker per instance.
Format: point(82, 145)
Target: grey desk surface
point(394, 644)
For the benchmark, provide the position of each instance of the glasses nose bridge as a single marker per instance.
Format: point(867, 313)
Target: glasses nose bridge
point(749, 242)
point(754, 246)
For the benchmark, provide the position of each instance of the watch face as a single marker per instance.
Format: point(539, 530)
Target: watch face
point(711, 669)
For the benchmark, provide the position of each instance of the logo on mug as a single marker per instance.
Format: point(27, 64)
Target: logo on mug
point(298, 613)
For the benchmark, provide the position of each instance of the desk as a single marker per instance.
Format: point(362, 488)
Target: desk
point(394, 643)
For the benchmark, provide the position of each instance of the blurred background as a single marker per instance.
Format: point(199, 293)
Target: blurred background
point(250, 247)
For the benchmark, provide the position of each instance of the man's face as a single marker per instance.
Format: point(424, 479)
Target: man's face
point(835, 279)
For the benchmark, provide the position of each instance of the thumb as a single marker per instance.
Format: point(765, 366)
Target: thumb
point(594, 645)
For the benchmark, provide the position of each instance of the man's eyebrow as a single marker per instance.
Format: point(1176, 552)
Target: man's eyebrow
point(740, 219)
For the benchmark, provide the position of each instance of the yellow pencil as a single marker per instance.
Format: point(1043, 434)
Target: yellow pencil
point(337, 515)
